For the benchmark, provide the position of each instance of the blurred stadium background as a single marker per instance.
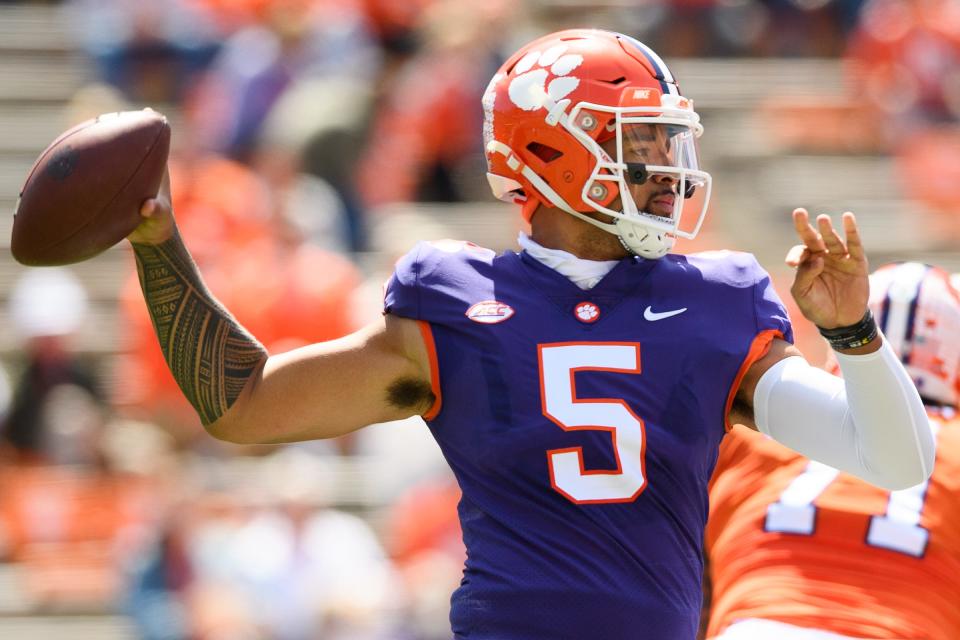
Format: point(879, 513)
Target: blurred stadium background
point(314, 142)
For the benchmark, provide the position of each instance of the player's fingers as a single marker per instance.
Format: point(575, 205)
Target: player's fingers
point(852, 232)
point(831, 239)
point(797, 254)
point(801, 222)
point(807, 273)
point(148, 208)
point(808, 235)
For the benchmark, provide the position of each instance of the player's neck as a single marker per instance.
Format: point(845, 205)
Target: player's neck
point(586, 274)
point(555, 229)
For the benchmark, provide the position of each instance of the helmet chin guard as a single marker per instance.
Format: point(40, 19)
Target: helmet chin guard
point(641, 240)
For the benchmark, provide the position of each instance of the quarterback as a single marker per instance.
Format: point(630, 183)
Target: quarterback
point(579, 388)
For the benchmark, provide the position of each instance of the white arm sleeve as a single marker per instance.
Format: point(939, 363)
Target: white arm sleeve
point(871, 423)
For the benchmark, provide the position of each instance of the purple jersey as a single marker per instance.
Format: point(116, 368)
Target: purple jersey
point(583, 428)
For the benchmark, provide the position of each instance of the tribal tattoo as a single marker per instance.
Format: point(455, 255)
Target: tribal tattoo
point(210, 355)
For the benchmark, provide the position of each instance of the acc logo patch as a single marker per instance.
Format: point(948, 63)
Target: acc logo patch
point(490, 312)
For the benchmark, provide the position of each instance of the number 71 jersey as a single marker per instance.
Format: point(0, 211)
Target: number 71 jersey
point(582, 427)
point(798, 542)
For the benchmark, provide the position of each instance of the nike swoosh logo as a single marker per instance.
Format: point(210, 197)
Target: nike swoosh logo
point(653, 316)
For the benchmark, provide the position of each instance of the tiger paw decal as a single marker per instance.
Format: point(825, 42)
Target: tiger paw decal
point(533, 88)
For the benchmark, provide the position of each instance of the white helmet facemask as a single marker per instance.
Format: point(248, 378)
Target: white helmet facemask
point(655, 168)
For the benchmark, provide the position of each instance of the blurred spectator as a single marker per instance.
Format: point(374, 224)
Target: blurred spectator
point(905, 59)
point(58, 411)
point(150, 50)
point(711, 28)
point(293, 40)
point(67, 528)
point(277, 564)
point(426, 543)
point(929, 170)
point(78, 488)
point(308, 153)
point(220, 203)
point(395, 23)
point(425, 132)
point(154, 577)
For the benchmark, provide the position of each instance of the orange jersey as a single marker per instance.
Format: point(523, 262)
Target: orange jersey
point(801, 543)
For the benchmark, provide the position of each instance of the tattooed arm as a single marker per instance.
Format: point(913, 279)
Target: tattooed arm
point(241, 394)
point(210, 354)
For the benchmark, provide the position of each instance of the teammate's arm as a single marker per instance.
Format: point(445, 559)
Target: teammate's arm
point(243, 395)
point(872, 422)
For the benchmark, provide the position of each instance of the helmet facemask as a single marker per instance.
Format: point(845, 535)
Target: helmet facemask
point(652, 165)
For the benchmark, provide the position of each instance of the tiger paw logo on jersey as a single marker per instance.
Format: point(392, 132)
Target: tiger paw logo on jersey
point(531, 91)
point(587, 312)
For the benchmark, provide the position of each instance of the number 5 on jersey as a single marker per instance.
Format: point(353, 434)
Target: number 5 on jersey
point(559, 364)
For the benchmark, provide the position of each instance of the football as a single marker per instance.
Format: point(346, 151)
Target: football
point(84, 192)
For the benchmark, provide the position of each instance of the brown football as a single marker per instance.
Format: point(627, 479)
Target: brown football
point(84, 192)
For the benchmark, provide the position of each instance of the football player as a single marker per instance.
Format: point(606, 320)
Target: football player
point(578, 388)
point(800, 550)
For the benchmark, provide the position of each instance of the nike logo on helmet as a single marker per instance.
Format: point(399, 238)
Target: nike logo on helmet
point(653, 316)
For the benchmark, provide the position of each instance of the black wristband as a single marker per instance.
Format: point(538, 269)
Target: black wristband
point(852, 336)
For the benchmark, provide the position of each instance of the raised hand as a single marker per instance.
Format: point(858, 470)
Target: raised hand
point(157, 223)
point(831, 286)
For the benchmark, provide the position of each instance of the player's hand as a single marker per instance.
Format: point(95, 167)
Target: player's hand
point(157, 223)
point(831, 286)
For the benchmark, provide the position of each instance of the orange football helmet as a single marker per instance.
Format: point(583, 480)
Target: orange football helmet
point(918, 311)
point(576, 118)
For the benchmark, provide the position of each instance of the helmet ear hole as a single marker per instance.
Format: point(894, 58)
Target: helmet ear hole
point(544, 152)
